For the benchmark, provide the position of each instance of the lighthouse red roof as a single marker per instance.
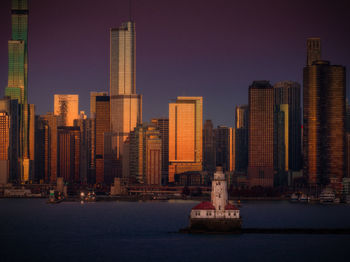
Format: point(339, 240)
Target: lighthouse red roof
point(204, 206)
point(230, 207)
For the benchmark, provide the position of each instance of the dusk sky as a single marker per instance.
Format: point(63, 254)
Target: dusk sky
point(213, 49)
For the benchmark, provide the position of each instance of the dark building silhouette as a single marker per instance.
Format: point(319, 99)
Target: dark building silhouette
point(162, 125)
point(225, 147)
point(209, 154)
point(288, 93)
point(69, 153)
point(241, 124)
point(102, 126)
point(324, 122)
point(260, 166)
point(42, 149)
point(313, 50)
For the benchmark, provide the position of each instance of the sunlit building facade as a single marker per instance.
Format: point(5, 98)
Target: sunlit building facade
point(146, 155)
point(66, 107)
point(324, 122)
point(18, 81)
point(126, 105)
point(260, 165)
point(185, 135)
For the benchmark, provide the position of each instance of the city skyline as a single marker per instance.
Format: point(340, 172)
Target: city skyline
point(175, 57)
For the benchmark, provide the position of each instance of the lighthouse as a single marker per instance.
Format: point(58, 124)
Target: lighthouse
point(218, 215)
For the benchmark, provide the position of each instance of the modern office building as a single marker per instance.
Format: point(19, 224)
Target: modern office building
point(281, 144)
point(66, 107)
point(10, 112)
point(126, 105)
point(92, 141)
point(162, 124)
point(241, 124)
point(260, 162)
point(5, 133)
point(146, 155)
point(324, 122)
point(209, 154)
point(102, 126)
point(288, 93)
point(185, 135)
point(51, 121)
point(69, 153)
point(17, 87)
point(225, 148)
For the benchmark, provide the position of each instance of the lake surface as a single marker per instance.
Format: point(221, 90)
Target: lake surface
point(31, 230)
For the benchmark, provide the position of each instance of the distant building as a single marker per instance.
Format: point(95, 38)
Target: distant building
point(5, 133)
point(42, 149)
point(288, 93)
point(51, 173)
point(241, 124)
point(225, 148)
point(260, 166)
point(69, 153)
point(209, 154)
point(162, 125)
point(185, 135)
point(324, 122)
point(126, 105)
point(67, 108)
point(102, 126)
point(313, 50)
point(146, 155)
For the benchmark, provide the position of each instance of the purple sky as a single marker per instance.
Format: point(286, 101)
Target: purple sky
point(213, 49)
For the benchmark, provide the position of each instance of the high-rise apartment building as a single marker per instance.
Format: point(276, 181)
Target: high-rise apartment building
point(324, 122)
point(66, 107)
point(241, 124)
point(126, 105)
point(18, 81)
point(162, 125)
point(102, 126)
point(209, 154)
point(145, 155)
point(225, 147)
point(288, 93)
point(260, 165)
point(185, 135)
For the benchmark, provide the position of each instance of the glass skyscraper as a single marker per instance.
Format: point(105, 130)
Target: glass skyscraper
point(126, 105)
point(17, 80)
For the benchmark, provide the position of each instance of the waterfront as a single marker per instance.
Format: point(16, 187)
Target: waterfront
point(32, 230)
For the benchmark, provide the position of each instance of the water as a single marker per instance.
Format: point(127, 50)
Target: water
point(31, 230)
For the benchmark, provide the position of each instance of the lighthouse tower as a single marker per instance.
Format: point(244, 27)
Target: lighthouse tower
point(219, 197)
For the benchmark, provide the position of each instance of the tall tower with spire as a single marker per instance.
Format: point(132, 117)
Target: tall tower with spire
point(17, 87)
point(126, 105)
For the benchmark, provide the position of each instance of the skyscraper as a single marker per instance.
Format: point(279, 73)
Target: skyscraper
point(313, 50)
point(260, 166)
point(209, 154)
point(17, 79)
point(102, 120)
point(66, 107)
point(324, 122)
point(185, 135)
point(145, 155)
point(241, 123)
point(126, 105)
point(225, 148)
point(288, 93)
point(162, 125)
